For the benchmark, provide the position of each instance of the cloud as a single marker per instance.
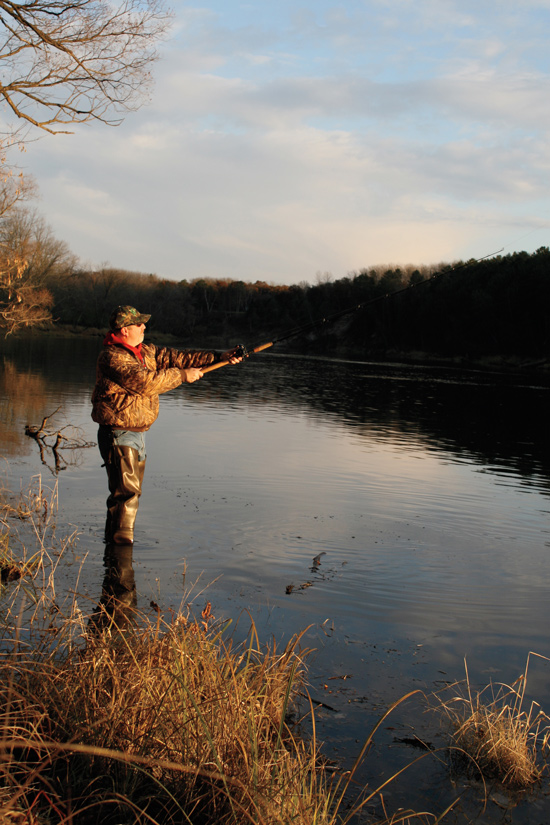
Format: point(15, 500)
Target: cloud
point(285, 141)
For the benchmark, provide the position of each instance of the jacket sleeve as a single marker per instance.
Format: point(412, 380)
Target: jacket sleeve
point(160, 372)
point(134, 378)
point(182, 359)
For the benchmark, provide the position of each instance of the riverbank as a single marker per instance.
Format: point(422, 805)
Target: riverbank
point(110, 714)
point(333, 348)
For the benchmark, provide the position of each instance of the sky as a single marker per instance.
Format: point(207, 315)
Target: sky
point(287, 140)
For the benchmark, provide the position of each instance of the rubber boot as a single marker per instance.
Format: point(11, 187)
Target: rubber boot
point(125, 473)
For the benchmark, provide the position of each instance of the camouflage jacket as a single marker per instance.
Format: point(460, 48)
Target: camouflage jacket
point(126, 394)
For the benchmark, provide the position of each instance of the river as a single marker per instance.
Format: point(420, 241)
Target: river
point(398, 513)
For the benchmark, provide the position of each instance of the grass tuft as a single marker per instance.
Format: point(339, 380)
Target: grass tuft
point(494, 735)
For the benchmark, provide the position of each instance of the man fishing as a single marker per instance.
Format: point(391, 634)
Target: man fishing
point(130, 377)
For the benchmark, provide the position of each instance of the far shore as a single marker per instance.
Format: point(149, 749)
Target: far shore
point(491, 362)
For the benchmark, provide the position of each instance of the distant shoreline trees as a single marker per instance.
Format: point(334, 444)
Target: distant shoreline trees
point(496, 307)
point(469, 310)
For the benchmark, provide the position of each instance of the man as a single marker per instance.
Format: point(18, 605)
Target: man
point(130, 377)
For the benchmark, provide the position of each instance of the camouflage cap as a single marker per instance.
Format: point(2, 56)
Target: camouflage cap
point(125, 317)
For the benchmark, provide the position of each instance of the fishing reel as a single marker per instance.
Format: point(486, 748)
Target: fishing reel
point(240, 351)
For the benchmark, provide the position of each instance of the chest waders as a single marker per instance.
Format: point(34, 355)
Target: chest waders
point(125, 473)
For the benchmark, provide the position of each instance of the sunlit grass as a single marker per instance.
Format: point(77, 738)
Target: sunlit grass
point(164, 723)
point(36, 508)
point(166, 717)
point(495, 736)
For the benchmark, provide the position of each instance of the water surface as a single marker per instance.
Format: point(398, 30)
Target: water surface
point(400, 513)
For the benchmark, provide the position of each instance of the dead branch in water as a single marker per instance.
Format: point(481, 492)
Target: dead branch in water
point(60, 442)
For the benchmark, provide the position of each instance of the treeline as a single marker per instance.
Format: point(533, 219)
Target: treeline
point(496, 307)
point(219, 307)
point(474, 309)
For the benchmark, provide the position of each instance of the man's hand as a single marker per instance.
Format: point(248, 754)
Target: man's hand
point(232, 356)
point(190, 375)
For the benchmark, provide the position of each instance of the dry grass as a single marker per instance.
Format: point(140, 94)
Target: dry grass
point(167, 725)
point(166, 717)
point(495, 736)
point(144, 720)
point(106, 719)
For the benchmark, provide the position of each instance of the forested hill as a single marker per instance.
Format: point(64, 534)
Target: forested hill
point(496, 308)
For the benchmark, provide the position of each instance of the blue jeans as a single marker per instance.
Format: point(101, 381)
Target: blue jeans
point(107, 438)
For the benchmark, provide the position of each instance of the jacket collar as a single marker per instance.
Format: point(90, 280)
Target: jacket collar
point(112, 340)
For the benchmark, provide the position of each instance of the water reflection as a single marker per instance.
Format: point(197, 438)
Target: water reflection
point(56, 359)
point(27, 412)
point(496, 420)
point(22, 397)
point(119, 595)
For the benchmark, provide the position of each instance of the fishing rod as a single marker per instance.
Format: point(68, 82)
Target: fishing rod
point(243, 352)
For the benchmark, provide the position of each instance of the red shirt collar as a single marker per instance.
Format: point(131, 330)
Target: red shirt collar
point(115, 341)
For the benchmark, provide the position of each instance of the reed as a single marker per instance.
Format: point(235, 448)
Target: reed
point(495, 735)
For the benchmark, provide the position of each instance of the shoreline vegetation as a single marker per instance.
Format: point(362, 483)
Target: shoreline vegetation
point(483, 314)
point(112, 715)
point(487, 363)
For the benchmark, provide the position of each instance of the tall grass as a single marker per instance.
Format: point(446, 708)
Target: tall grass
point(112, 716)
point(164, 720)
point(142, 720)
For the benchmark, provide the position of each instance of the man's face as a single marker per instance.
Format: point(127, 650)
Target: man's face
point(134, 334)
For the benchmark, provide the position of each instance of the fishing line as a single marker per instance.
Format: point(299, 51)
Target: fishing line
point(243, 352)
point(526, 235)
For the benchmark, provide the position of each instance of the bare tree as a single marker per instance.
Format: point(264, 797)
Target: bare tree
point(30, 256)
point(61, 63)
point(72, 61)
point(13, 190)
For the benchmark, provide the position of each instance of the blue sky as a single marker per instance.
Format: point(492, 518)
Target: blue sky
point(286, 139)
